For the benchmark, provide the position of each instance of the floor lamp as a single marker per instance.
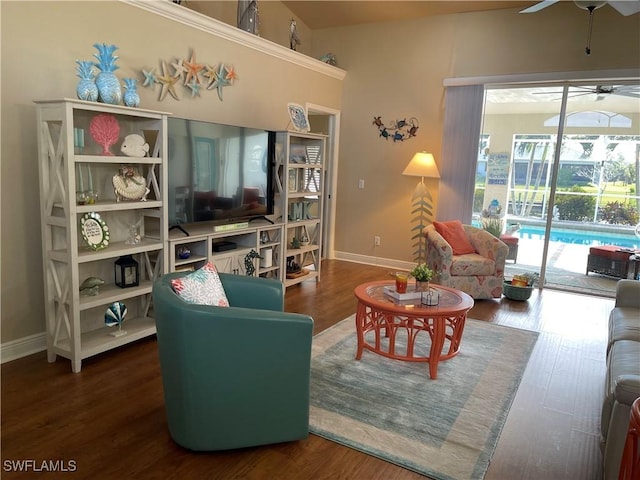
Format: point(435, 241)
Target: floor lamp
point(424, 166)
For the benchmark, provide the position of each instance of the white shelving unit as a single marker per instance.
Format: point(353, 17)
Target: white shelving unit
point(202, 244)
point(71, 161)
point(300, 167)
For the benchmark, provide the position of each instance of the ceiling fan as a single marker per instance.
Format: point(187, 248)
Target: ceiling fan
point(600, 91)
point(624, 7)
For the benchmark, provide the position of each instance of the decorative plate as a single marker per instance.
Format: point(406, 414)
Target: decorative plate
point(95, 231)
point(298, 117)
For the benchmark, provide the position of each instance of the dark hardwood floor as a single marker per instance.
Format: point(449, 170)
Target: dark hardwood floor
point(108, 420)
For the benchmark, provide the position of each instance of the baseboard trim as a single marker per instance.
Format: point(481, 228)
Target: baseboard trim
point(25, 346)
point(22, 347)
point(377, 261)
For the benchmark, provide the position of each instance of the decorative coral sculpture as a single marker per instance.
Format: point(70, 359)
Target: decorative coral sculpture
point(104, 129)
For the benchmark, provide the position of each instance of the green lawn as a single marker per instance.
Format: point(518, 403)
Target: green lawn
point(614, 191)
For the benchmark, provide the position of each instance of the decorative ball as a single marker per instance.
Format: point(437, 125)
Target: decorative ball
point(115, 314)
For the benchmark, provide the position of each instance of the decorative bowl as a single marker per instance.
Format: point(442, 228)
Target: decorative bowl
point(514, 292)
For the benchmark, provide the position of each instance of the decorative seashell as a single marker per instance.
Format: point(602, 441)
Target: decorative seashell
point(91, 282)
point(91, 286)
point(115, 314)
point(128, 184)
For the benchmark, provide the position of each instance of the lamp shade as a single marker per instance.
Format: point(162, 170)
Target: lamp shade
point(422, 165)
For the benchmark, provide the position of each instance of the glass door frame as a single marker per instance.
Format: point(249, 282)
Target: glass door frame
point(551, 191)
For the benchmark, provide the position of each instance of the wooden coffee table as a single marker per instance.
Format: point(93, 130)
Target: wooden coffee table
point(384, 316)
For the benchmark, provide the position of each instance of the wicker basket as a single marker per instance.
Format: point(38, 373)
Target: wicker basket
point(512, 292)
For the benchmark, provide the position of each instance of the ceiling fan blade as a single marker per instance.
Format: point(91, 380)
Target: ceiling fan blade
point(627, 94)
point(626, 7)
point(539, 6)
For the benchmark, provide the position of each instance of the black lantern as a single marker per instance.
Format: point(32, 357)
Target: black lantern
point(126, 272)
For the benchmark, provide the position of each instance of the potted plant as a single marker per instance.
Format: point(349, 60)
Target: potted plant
point(423, 274)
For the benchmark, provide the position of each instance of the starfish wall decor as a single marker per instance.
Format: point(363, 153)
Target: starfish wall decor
point(398, 130)
point(191, 75)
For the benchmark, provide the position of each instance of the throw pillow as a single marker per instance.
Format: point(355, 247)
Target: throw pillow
point(453, 232)
point(202, 287)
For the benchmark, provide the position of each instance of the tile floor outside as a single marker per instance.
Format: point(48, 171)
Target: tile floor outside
point(566, 267)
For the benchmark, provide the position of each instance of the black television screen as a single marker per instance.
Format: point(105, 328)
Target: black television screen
point(218, 173)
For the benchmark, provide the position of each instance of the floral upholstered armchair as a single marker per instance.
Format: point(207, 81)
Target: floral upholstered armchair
point(466, 258)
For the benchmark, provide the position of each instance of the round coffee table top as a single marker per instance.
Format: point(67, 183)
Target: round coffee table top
point(451, 300)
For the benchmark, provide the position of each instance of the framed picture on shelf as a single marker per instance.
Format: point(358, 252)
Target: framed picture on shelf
point(95, 231)
point(293, 180)
point(299, 117)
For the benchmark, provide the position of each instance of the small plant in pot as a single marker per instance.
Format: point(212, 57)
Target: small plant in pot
point(423, 274)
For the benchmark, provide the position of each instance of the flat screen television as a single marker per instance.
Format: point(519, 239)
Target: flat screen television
point(218, 173)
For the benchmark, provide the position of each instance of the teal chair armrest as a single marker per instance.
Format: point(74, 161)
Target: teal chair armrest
point(266, 293)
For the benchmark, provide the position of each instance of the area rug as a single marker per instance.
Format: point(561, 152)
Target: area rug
point(445, 428)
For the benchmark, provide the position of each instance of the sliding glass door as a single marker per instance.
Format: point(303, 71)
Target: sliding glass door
point(560, 165)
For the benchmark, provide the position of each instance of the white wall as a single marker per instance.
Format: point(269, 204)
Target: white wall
point(40, 43)
point(396, 70)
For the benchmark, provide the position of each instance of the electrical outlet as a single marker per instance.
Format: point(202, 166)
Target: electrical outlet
point(376, 241)
point(361, 183)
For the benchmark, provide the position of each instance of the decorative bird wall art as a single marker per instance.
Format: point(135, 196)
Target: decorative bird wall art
point(397, 130)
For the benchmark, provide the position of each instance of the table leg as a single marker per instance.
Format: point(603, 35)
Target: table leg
point(361, 318)
point(437, 342)
point(457, 325)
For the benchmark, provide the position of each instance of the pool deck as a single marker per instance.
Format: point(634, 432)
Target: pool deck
point(566, 267)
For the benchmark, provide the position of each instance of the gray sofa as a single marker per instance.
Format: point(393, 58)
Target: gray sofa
point(622, 385)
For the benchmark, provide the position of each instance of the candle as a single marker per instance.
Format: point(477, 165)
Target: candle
point(90, 178)
point(81, 181)
point(78, 138)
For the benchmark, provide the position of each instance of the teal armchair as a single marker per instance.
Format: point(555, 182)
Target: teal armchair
point(233, 376)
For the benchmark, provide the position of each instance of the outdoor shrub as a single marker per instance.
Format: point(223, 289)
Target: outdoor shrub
point(619, 213)
point(565, 178)
point(575, 207)
point(478, 199)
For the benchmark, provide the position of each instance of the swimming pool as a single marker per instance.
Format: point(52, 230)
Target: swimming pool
point(579, 237)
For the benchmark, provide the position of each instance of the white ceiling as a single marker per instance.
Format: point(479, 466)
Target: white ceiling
point(547, 100)
point(330, 13)
point(325, 14)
